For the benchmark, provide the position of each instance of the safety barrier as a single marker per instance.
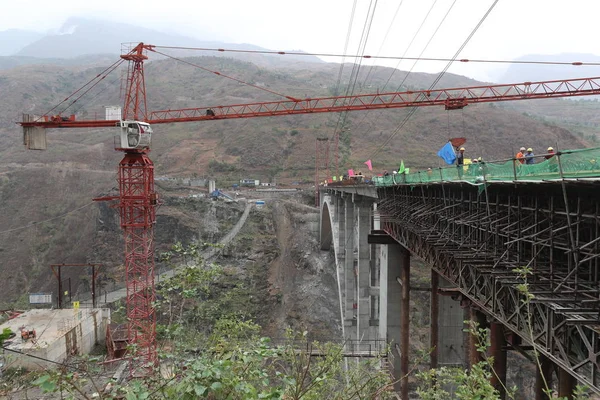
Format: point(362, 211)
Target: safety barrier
point(583, 163)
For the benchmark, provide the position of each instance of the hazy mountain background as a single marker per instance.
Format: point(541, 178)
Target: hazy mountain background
point(13, 40)
point(81, 37)
point(80, 164)
point(544, 72)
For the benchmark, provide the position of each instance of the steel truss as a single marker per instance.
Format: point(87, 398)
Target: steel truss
point(137, 208)
point(478, 238)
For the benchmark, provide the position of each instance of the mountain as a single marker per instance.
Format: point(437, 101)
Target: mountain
point(81, 36)
point(80, 164)
point(543, 72)
point(8, 62)
point(13, 40)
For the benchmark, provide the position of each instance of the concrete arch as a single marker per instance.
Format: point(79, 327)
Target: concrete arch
point(326, 227)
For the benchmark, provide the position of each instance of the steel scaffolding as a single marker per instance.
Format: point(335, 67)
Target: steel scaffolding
point(501, 243)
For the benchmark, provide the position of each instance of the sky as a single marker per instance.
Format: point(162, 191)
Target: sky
point(514, 28)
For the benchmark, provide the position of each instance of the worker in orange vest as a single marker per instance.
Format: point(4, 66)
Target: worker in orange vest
point(521, 155)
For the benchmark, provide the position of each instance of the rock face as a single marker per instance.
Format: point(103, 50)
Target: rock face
point(289, 281)
point(302, 276)
point(293, 282)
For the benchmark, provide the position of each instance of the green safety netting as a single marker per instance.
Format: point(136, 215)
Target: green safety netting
point(565, 164)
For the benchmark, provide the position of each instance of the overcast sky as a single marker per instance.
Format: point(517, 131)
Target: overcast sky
point(513, 29)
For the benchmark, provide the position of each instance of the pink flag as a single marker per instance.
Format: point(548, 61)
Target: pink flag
point(368, 162)
point(350, 172)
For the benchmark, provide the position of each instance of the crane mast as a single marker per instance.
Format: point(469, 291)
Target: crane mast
point(138, 200)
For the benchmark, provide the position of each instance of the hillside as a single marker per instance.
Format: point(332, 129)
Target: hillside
point(81, 164)
point(266, 146)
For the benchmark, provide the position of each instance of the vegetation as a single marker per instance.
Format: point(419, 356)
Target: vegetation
point(211, 349)
point(474, 384)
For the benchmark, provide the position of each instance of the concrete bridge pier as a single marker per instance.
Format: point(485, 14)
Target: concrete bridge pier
point(350, 300)
point(363, 218)
point(390, 308)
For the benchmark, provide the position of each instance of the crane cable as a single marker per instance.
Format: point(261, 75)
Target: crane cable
point(362, 44)
point(96, 96)
point(356, 69)
point(32, 224)
point(427, 45)
point(406, 51)
point(223, 75)
point(410, 44)
point(339, 80)
point(414, 109)
point(92, 86)
point(405, 120)
point(462, 60)
point(101, 75)
point(384, 40)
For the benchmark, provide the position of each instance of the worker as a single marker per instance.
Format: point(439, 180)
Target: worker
point(460, 156)
point(385, 173)
point(460, 161)
point(359, 177)
point(482, 169)
point(552, 162)
point(529, 157)
point(521, 155)
point(210, 112)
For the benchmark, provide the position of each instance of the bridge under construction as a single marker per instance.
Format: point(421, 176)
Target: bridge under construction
point(518, 249)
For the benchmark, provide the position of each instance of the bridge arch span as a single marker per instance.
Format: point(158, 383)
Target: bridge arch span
point(326, 226)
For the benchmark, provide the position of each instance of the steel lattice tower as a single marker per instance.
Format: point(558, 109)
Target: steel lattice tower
point(137, 209)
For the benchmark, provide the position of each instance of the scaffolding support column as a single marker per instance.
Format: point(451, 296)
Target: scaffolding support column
point(498, 351)
point(405, 323)
point(543, 378)
point(434, 317)
point(566, 384)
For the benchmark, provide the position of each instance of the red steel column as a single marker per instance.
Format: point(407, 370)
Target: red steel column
point(498, 351)
point(566, 384)
point(543, 378)
point(434, 317)
point(405, 323)
point(137, 208)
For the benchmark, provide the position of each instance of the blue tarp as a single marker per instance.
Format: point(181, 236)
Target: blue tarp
point(447, 153)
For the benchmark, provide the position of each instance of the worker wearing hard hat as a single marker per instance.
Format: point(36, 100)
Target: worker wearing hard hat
point(552, 162)
point(460, 156)
point(520, 157)
point(460, 161)
point(529, 156)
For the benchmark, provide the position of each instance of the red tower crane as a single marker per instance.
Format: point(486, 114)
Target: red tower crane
point(138, 199)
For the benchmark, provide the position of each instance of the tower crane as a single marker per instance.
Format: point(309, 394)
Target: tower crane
point(137, 199)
